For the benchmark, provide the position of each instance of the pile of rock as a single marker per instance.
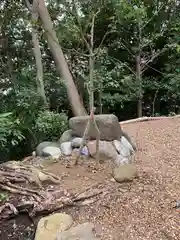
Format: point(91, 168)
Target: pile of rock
point(114, 143)
point(59, 226)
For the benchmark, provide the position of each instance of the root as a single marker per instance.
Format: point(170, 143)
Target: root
point(14, 172)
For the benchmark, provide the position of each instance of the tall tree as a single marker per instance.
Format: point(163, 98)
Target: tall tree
point(61, 64)
point(36, 49)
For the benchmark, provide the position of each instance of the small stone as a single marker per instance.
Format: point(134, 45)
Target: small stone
point(42, 145)
point(53, 152)
point(49, 226)
point(66, 148)
point(124, 173)
point(76, 142)
point(85, 151)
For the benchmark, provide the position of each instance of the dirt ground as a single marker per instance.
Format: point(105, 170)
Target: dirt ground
point(140, 210)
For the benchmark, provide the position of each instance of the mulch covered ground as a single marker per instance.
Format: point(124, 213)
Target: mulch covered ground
point(140, 210)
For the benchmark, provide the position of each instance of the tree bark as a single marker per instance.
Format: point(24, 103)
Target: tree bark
point(139, 82)
point(61, 64)
point(37, 54)
point(138, 70)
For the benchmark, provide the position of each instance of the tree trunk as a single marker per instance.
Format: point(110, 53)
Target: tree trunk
point(138, 70)
point(61, 64)
point(37, 53)
point(139, 82)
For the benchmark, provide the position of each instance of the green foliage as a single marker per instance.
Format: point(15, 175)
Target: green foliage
point(10, 133)
point(3, 196)
point(50, 125)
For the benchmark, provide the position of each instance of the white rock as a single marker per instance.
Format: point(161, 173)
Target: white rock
point(106, 150)
point(122, 160)
point(34, 153)
point(127, 144)
point(51, 151)
point(66, 148)
point(123, 147)
point(76, 142)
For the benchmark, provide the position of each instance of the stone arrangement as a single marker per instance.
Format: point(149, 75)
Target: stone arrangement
point(114, 143)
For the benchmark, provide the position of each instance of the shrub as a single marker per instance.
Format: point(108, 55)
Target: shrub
point(50, 125)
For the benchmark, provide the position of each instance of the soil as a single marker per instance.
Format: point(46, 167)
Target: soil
point(139, 210)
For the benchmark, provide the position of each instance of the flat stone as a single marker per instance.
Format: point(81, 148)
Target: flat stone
point(83, 231)
point(49, 226)
point(108, 125)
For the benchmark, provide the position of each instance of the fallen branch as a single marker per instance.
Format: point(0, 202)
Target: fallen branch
point(14, 172)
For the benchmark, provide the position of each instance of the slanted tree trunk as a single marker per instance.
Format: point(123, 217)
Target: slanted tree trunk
point(61, 64)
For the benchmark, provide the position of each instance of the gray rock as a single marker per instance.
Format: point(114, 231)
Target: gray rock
point(122, 160)
point(45, 144)
point(53, 152)
point(106, 150)
point(130, 140)
point(83, 231)
point(124, 141)
point(66, 136)
point(123, 147)
point(76, 142)
point(49, 226)
point(124, 173)
point(66, 148)
point(108, 125)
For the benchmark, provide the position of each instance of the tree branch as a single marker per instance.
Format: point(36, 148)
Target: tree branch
point(28, 5)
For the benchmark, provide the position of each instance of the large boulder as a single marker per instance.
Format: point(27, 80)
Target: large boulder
point(49, 226)
point(124, 173)
point(106, 150)
point(41, 146)
point(108, 125)
point(85, 231)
